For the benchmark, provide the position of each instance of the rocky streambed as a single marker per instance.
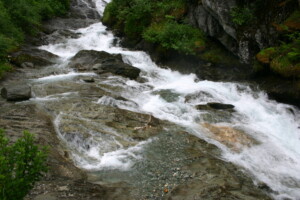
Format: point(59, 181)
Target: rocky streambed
point(119, 127)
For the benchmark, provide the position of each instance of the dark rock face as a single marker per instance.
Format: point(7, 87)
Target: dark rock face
point(16, 92)
point(214, 18)
point(287, 91)
point(103, 62)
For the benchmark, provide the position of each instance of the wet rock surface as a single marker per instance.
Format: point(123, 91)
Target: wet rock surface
point(233, 138)
point(103, 62)
point(174, 164)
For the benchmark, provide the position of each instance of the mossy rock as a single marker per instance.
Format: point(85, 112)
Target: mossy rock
point(284, 67)
point(265, 56)
point(293, 22)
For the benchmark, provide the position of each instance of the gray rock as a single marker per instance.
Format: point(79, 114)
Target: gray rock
point(89, 79)
point(84, 10)
point(16, 92)
point(103, 62)
point(27, 64)
point(33, 57)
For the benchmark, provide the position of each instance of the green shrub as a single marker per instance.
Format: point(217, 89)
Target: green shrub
point(21, 165)
point(174, 9)
point(241, 15)
point(138, 17)
point(172, 35)
point(156, 21)
point(284, 59)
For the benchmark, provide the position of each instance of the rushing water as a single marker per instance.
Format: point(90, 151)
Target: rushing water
point(274, 160)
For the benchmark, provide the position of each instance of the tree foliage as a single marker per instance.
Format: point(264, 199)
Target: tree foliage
point(160, 22)
point(21, 17)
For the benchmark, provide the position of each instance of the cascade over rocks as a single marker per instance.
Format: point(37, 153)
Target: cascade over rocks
point(92, 119)
point(103, 62)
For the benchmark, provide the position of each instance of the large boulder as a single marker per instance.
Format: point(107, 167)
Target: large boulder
point(103, 62)
point(18, 92)
point(36, 57)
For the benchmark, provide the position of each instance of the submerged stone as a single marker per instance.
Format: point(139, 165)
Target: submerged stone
point(233, 138)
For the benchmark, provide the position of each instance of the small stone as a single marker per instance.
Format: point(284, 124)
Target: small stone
point(186, 176)
point(63, 188)
point(89, 79)
point(27, 64)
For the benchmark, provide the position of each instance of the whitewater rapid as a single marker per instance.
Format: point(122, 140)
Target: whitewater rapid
point(275, 160)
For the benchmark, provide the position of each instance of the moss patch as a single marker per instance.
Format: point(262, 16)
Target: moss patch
point(283, 66)
point(293, 22)
point(216, 54)
point(265, 55)
point(284, 59)
point(4, 67)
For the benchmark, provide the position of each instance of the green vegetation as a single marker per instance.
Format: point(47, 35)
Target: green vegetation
point(284, 59)
point(172, 35)
point(21, 165)
point(242, 15)
point(293, 22)
point(159, 22)
point(21, 17)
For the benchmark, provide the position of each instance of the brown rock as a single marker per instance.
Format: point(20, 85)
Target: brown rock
point(233, 138)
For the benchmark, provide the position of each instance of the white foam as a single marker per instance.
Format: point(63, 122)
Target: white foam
point(122, 159)
point(59, 77)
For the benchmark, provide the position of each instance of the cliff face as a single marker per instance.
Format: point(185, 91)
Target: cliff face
point(244, 27)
